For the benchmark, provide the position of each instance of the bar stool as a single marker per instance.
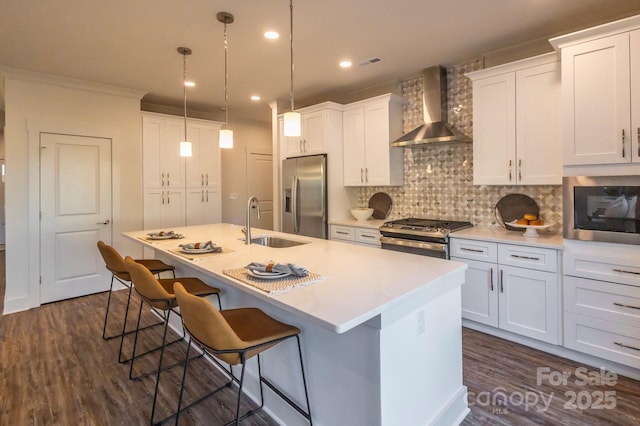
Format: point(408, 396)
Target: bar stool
point(234, 336)
point(115, 263)
point(158, 293)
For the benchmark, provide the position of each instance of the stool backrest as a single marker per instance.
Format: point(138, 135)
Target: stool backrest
point(147, 285)
point(113, 260)
point(207, 325)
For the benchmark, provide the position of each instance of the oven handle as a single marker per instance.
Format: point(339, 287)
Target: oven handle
point(414, 244)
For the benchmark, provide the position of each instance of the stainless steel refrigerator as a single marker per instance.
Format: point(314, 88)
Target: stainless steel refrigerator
point(304, 207)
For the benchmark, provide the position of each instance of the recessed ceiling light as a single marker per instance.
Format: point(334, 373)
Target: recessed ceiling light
point(255, 97)
point(345, 64)
point(272, 35)
point(190, 84)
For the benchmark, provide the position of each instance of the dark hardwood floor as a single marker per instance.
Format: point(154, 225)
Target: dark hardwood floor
point(55, 369)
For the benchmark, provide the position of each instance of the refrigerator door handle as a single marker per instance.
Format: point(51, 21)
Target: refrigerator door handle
point(294, 204)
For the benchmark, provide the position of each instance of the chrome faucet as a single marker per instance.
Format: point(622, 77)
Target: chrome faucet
point(253, 200)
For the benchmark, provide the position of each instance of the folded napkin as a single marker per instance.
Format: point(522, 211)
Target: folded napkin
point(283, 268)
point(164, 234)
point(206, 245)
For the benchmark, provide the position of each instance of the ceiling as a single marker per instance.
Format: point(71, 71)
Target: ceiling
point(133, 43)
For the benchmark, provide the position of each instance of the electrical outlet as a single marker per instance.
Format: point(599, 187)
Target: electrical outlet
point(233, 196)
point(420, 316)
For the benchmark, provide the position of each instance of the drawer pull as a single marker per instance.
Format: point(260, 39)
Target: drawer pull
point(471, 250)
point(517, 256)
point(501, 281)
point(367, 236)
point(622, 305)
point(491, 278)
point(626, 346)
point(626, 272)
point(342, 232)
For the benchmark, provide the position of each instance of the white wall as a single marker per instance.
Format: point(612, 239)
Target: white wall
point(234, 169)
point(33, 103)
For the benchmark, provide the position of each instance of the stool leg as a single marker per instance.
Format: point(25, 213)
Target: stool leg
point(304, 382)
point(244, 365)
point(135, 341)
point(184, 377)
point(164, 339)
point(124, 327)
point(106, 314)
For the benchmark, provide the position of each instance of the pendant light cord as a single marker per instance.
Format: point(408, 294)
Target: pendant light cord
point(184, 90)
point(291, 50)
point(226, 77)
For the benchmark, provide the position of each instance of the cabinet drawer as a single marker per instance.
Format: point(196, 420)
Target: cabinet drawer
point(604, 262)
point(345, 233)
point(528, 257)
point(368, 236)
point(599, 299)
point(605, 339)
point(475, 250)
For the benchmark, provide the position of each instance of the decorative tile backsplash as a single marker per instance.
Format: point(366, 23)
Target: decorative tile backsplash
point(438, 179)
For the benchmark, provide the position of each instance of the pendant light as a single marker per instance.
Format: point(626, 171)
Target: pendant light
point(291, 119)
point(185, 145)
point(226, 135)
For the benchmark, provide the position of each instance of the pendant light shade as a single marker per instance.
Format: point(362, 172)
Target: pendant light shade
point(292, 119)
point(226, 135)
point(185, 145)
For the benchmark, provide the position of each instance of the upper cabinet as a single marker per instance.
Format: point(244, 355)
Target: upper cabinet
point(318, 126)
point(368, 127)
point(203, 167)
point(601, 94)
point(516, 123)
point(162, 164)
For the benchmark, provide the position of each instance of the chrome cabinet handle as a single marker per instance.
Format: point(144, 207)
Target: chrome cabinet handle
point(520, 169)
point(301, 146)
point(367, 236)
point(517, 256)
point(623, 154)
point(202, 196)
point(206, 176)
point(162, 197)
point(491, 278)
point(471, 250)
point(638, 141)
point(361, 175)
point(626, 346)
point(168, 181)
point(366, 174)
point(510, 170)
point(622, 305)
point(105, 222)
point(168, 197)
point(626, 272)
point(342, 233)
point(501, 280)
point(207, 195)
point(162, 179)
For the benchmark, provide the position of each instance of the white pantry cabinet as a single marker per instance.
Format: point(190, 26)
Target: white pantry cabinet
point(511, 287)
point(516, 123)
point(369, 126)
point(319, 124)
point(179, 190)
point(601, 94)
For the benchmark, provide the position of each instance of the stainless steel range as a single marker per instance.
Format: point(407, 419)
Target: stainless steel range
point(426, 237)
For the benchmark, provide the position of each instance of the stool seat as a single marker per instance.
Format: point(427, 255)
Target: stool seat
point(156, 266)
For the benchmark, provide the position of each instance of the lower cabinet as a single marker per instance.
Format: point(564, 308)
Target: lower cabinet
point(163, 208)
point(355, 235)
point(511, 287)
point(203, 206)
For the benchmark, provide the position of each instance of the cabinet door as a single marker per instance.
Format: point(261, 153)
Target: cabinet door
point(152, 134)
point(172, 164)
point(203, 167)
point(353, 145)
point(635, 95)
point(163, 208)
point(153, 204)
point(494, 130)
point(195, 206)
point(480, 292)
point(291, 146)
point(528, 303)
point(377, 144)
point(313, 133)
point(538, 130)
point(212, 205)
point(596, 101)
point(173, 209)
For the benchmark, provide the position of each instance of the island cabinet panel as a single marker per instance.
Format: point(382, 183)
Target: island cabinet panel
point(516, 123)
point(180, 190)
point(368, 128)
point(511, 287)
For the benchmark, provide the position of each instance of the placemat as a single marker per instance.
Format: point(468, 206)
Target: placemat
point(280, 286)
point(154, 241)
point(199, 256)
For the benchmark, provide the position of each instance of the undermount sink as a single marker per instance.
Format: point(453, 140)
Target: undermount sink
point(275, 242)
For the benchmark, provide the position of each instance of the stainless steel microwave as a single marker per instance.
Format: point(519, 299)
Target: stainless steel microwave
point(601, 208)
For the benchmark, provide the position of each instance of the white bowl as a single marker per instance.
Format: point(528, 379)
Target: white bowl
point(362, 213)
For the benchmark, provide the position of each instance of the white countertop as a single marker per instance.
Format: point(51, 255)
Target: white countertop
point(361, 282)
point(370, 223)
point(501, 235)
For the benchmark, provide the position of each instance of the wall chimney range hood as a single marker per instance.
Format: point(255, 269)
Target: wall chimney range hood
point(435, 128)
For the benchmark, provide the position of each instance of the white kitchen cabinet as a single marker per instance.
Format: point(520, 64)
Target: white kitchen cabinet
point(163, 208)
point(602, 300)
point(368, 128)
point(601, 94)
point(203, 206)
point(203, 167)
point(355, 235)
point(162, 165)
point(516, 123)
point(511, 287)
point(318, 124)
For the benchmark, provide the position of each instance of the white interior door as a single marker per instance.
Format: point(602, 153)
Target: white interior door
point(75, 208)
point(260, 184)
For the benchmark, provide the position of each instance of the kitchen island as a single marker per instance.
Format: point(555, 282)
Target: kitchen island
point(381, 330)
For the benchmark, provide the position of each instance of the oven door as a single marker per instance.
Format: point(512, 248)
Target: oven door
point(423, 248)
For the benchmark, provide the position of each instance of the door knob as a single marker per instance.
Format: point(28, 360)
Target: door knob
point(106, 222)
